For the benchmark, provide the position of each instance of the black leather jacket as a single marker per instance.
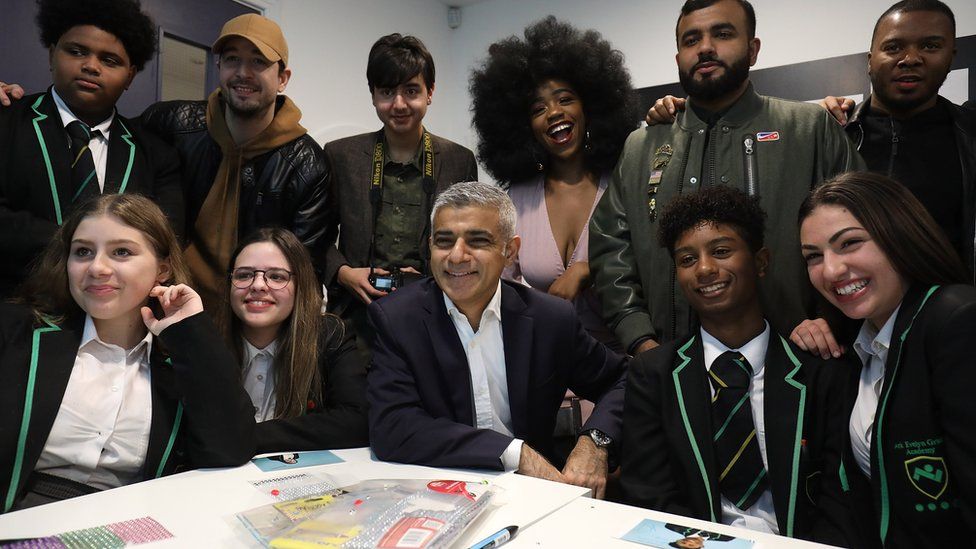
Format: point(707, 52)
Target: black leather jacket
point(288, 187)
point(964, 122)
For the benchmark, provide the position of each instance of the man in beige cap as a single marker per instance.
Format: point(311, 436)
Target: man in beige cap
point(247, 162)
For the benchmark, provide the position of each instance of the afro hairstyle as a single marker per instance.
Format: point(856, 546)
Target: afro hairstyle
point(719, 205)
point(122, 18)
point(503, 89)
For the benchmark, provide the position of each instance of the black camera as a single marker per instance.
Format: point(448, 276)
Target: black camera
point(387, 283)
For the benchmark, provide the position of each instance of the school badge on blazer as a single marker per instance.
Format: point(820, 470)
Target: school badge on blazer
point(928, 475)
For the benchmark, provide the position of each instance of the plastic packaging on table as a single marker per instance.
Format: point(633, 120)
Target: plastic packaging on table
point(390, 514)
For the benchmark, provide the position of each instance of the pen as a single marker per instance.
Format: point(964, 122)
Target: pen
point(497, 539)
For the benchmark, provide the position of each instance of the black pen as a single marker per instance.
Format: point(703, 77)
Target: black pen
point(497, 539)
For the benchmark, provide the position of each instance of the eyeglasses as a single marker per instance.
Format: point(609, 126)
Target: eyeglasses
point(276, 279)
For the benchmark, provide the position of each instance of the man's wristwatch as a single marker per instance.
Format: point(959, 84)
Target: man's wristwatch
point(601, 439)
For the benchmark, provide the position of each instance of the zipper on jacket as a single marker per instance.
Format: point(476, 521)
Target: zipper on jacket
point(258, 200)
point(749, 163)
point(894, 148)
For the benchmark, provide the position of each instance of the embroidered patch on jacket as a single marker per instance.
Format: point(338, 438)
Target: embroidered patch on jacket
point(767, 136)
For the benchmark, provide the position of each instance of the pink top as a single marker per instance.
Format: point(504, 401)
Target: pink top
point(539, 262)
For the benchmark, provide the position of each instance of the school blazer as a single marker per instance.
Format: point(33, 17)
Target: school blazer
point(336, 420)
point(35, 178)
point(922, 490)
point(668, 459)
point(190, 413)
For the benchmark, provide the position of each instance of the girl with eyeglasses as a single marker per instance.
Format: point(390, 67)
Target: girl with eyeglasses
point(108, 372)
point(299, 366)
point(875, 253)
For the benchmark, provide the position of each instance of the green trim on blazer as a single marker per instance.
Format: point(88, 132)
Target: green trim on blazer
point(25, 421)
point(691, 434)
point(798, 439)
point(172, 439)
point(47, 159)
point(876, 440)
point(127, 137)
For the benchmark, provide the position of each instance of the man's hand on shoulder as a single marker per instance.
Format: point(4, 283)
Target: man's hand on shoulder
point(9, 92)
point(664, 110)
point(533, 464)
point(587, 466)
point(838, 107)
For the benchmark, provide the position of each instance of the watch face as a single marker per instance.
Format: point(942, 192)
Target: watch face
point(600, 438)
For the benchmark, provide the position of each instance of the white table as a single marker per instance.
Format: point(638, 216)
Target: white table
point(198, 508)
point(586, 522)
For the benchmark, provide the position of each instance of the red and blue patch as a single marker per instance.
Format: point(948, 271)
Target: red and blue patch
point(767, 136)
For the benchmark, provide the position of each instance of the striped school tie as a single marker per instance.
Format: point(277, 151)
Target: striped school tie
point(742, 477)
point(84, 182)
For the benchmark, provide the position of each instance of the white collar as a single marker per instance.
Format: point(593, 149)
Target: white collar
point(91, 334)
point(494, 307)
point(754, 351)
point(68, 117)
point(251, 352)
point(871, 341)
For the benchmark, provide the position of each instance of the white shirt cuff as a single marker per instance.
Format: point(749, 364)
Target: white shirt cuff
point(512, 455)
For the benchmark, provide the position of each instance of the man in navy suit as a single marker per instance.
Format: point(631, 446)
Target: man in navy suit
point(469, 371)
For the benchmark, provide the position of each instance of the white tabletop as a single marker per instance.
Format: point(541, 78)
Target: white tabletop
point(198, 507)
point(587, 522)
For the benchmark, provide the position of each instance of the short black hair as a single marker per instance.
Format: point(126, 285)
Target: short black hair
point(503, 89)
point(395, 58)
point(122, 18)
point(695, 5)
point(906, 6)
point(717, 204)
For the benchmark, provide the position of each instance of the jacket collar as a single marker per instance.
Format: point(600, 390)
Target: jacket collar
point(517, 330)
point(741, 112)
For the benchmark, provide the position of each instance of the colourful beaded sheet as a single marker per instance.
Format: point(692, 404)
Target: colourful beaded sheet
point(110, 536)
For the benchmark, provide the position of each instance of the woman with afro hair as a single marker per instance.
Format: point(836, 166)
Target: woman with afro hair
point(552, 111)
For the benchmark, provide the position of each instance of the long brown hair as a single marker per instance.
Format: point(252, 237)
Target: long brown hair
point(296, 364)
point(46, 288)
point(904, 230)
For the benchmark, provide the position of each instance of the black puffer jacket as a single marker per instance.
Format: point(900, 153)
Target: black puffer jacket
point(288, 187)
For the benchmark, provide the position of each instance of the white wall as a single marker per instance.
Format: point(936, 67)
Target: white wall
point(329, 41)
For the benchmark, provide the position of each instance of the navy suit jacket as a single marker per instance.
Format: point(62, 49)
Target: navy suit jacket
point(419, 385)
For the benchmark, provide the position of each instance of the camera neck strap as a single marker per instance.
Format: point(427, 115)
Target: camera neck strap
point(376, 187)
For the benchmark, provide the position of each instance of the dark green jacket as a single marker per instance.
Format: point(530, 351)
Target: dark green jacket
point(634, 277)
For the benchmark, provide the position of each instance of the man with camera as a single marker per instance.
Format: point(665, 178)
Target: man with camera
point(386, 182)
point(469, 370)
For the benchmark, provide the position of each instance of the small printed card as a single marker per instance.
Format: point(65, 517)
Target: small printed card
point(666, 535)
point(296, 460)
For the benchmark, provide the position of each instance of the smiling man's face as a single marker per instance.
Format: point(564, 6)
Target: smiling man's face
point(910, 57)
point(467, 255)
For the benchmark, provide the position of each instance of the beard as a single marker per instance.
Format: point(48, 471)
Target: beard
point(709, 89)
point(248, 108)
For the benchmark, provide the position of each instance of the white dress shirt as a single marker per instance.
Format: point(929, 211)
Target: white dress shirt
point(761, 515)
point(871, 347)
point(99, 143)
point(485, 351)
point(259, 379)
point(101, 433)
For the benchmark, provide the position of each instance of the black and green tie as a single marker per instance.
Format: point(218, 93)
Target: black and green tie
point(83, 179)
point(742, 475)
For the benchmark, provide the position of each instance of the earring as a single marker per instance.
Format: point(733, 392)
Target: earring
point(586, 141)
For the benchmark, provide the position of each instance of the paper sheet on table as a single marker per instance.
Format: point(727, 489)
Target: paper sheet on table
point(666, 535)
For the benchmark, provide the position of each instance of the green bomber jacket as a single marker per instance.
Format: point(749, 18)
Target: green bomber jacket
point(772, 147)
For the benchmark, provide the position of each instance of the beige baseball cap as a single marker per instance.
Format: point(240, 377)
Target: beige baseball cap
point(264, 33)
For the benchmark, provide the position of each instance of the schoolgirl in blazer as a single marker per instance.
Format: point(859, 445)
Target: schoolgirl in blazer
point(84, 292)
point(909, 466)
